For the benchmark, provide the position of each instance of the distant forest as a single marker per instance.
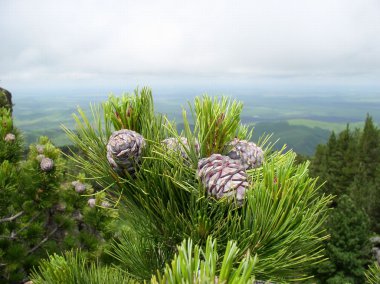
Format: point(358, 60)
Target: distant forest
point(348, 167)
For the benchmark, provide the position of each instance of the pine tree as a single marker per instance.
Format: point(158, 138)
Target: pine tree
point(327, 165)
point(40, 211)
point(165, 197)
point(348, 249)
point(369, 149)
point(367, 187)
point(356, 153)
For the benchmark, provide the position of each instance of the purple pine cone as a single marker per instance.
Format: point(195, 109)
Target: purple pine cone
point(179, 145)
point(248, 153)
point(91, 202)
point(124, 149)
point(46, 164)
point(10, 137)
point(223, 177)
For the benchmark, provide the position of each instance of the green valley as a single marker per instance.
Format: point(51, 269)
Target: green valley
point(300, 121)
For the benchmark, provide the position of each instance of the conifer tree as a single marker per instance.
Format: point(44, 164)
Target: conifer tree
point(358, 178)
point(40, 210)
point(367, 187)
point(369, 149)
point(266, 216)
point(348, 249)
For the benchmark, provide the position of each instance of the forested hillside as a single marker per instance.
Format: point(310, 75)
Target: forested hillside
point(348, 166)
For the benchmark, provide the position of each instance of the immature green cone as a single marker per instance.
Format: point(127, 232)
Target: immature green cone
point(179, 145)
point(223, 177)
point(46, 164)
point(248, 153)
point(124, 149)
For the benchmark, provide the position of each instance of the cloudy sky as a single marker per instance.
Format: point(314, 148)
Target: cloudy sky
point(114, 42)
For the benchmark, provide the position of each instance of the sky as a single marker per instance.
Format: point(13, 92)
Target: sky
point(78, 44)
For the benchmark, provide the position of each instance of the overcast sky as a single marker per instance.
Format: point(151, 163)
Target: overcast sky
point(84, 43)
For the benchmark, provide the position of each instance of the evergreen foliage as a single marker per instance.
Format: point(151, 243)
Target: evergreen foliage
point(164, 202)
point(350, 164)
point(40, 212)
point(348, 249)
point(74, 268)
point(373, 274)
point(157, 223)
point(192, 264)
point(10, 150)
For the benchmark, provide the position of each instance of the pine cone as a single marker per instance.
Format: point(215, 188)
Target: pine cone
point(79, 187)
point(179, 146)
point(124, 149)
point(223, 177)
point(46, 164)
point(248, 153)
point(10, 137)
point(91, 202)
point(40, 149)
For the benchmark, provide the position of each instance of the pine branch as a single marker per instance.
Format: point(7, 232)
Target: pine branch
point(43, 241)
point(27, 224)
point(14, 235)
point(10, 219)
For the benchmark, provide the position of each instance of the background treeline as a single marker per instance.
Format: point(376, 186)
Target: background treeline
point(348, 167)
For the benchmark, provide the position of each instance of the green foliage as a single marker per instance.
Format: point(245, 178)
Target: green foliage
point(373, 274)
point(350, 164)
point(165, 203)
point(348, 249)
point(132, 112)
point(9, 150)
point(40, 212)
point(138, 254)
point(6, 122)
point(74, 268)
point(192, 264)
point(369, 149)
point(8, 182)
point(302, 139)
point(216, 123)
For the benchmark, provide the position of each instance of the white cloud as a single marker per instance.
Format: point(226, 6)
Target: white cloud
point(88, 40)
